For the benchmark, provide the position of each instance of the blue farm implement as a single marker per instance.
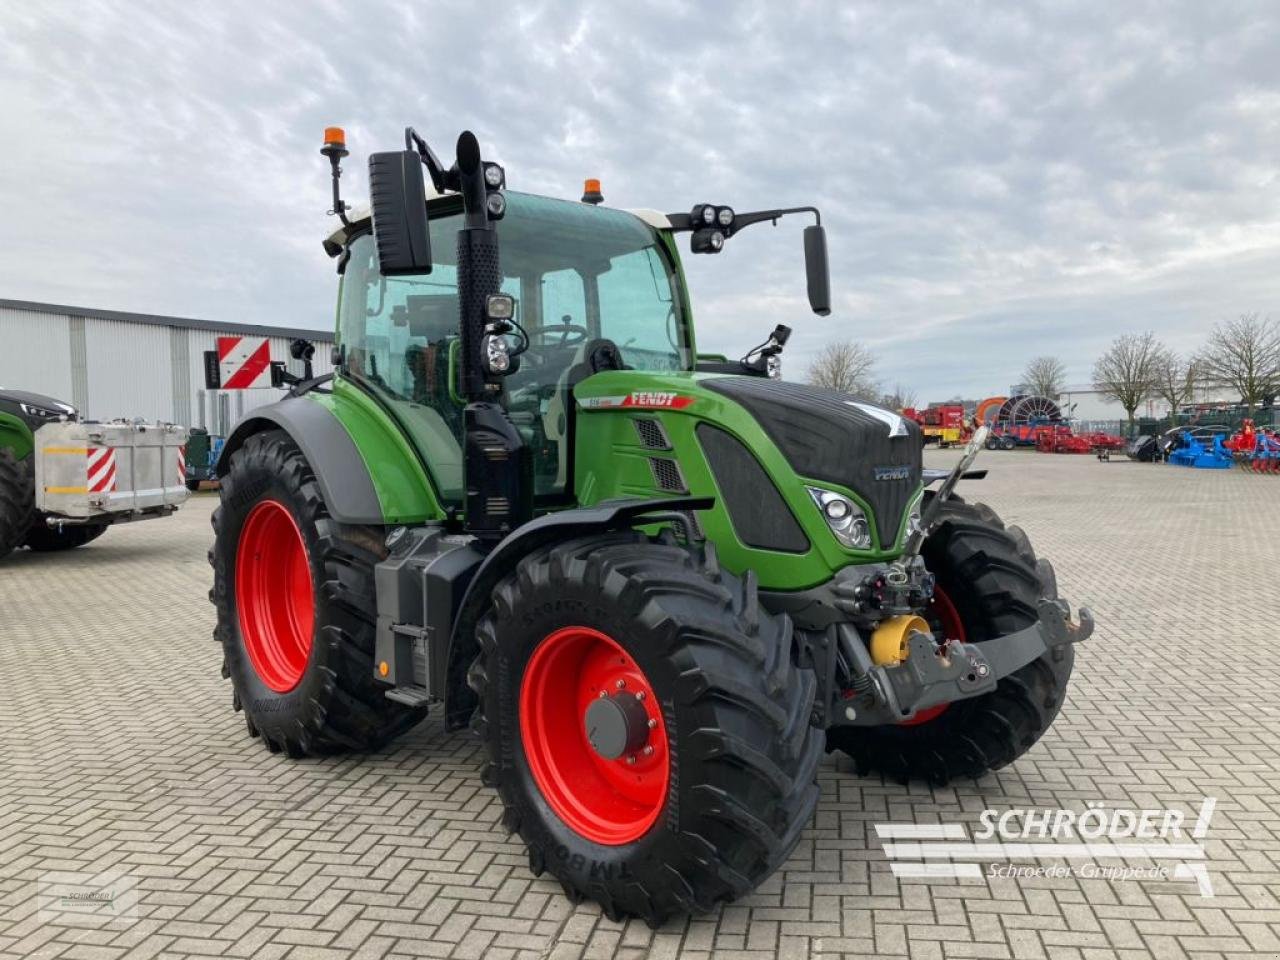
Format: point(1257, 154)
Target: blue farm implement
point(1205, 453)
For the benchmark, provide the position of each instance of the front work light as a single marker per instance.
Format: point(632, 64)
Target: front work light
point(707, 240)
point(500, 306)
point(497, 354)
point(844, 517)
point(724, 216)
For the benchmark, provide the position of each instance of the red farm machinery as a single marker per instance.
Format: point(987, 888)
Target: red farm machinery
point(1255, 448)
point(943, 423)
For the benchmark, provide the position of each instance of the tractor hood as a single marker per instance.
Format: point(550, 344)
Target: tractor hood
point(832, 437)
point(34, 409)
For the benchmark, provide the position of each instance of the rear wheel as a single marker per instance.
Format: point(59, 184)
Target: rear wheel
point(647, 730)
point(17, 500)
point(989, 584)
point(296, 613)
point(45, 539)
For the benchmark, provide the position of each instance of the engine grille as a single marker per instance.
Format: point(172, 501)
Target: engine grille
point(667, 475)
point(759, 515)
point(652, 434)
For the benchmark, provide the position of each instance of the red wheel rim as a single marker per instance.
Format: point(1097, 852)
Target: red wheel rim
point(943, 615)
point(275, 600)
point(608, 801)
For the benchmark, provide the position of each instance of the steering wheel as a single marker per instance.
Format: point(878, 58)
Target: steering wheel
point(568, 334)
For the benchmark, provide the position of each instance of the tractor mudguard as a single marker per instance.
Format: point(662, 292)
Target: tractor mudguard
point(561, 525)
point(340, 470)
point(931, 477)
point(15, 436)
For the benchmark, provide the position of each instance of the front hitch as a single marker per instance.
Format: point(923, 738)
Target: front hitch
point(929, 674)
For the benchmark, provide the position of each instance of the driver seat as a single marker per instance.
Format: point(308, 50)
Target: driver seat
point(592, 356)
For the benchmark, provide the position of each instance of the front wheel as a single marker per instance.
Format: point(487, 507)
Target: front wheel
point(17, 500)
point(647, 729)
point(295, 595)
point(989, 583)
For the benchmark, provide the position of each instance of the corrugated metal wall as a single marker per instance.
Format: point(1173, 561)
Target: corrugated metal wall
point(119, 368)
point(35, 352)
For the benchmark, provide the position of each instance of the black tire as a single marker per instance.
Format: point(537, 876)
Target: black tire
point(337, 704)
point(991, 574)
point(1007, 443)
point(17, 500)
point(737, 717)
point(43, 538)
point(992, 442)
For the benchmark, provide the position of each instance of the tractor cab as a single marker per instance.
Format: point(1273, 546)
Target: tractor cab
point(471, 316)
point(593, 289)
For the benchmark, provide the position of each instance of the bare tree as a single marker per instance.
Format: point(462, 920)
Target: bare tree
point(899, 398)
point(1045, 376)
point(1127, 372)
point(846, 366)
point(1244, 355)
point(1175, 382)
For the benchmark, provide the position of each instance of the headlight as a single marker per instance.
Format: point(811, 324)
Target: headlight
point(773, 367)
point(47, 413)
point(708, 214)
point(724, 216)
point(844, 517)
point(497, 353)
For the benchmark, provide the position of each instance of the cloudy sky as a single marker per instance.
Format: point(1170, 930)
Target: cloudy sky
point(999, 180)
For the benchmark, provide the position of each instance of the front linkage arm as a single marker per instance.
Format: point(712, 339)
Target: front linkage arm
point(932, 674)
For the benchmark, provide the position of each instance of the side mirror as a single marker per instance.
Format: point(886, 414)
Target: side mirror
point(815, 267)
point(399, 205)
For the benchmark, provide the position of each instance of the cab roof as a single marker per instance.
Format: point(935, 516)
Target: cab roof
point(359, 218)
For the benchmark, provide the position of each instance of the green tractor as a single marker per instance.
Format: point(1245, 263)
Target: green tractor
point(657, 585)
point(22, 413)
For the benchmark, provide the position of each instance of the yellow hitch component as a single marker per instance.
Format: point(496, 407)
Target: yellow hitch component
point(889, 642)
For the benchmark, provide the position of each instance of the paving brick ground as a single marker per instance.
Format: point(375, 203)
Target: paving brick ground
point(119, 752)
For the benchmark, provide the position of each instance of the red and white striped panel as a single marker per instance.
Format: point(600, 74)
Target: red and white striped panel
point(244, 362)
point(182, 466)
point(101, 467)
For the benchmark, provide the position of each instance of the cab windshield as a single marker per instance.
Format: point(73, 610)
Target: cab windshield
point(579, 274)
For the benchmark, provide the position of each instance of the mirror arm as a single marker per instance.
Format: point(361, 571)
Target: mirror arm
point(441, 178)
point(681, 222)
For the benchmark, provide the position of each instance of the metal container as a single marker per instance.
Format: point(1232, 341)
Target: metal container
point(96, 472)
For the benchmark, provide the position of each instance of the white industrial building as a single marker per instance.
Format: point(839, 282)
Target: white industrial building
point(1084, 401)
point(110, 364)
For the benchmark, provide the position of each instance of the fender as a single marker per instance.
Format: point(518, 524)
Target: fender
point(15, 435)
point(339, 468)
point(502, 559)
